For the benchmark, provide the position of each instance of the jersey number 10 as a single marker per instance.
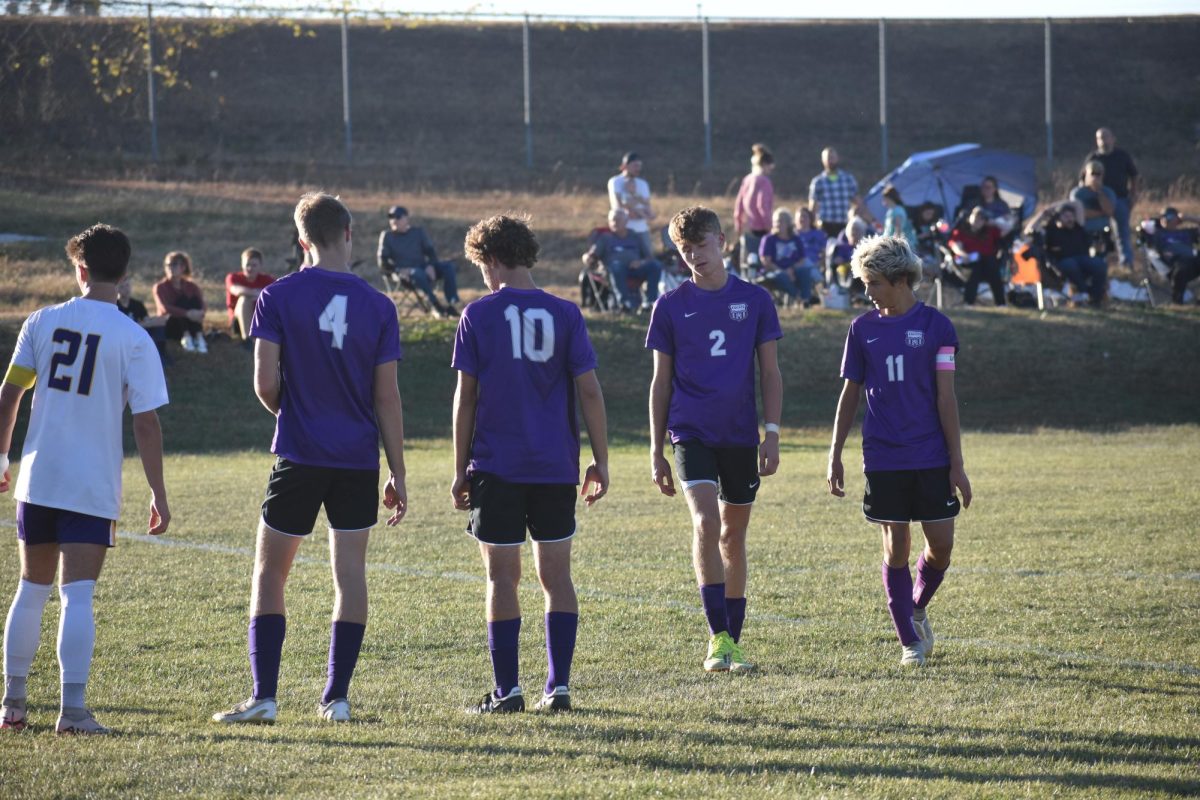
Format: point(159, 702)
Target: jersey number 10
point(523, 333)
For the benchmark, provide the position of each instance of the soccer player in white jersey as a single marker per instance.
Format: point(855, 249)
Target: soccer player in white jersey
point(706, 336)
point(902, 354)
point(85, 360)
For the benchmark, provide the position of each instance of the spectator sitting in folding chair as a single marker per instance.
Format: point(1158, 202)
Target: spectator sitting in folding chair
point(624, 255)
point(976, 245)
point(1176, 246)
point(406, 254)
point(1066, 244)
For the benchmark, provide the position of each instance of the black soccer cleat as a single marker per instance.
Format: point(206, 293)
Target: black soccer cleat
point(558, 700)
point(511, 703)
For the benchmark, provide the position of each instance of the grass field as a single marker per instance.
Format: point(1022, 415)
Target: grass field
point(1068, 663)
point(1068, 660)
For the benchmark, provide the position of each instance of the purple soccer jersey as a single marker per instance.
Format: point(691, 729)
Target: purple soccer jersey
point(525, 348)
point(713, 338)
point(333, 329)
point(896, 359)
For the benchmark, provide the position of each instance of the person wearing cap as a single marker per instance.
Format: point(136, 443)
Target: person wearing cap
point(1120, 175)
point(628, 191)
point(1177, 246)
point(406, 248)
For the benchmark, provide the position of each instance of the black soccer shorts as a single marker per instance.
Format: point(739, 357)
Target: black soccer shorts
point(910, 495)
point(296, 492)
point(501, 511)
point(733, 469)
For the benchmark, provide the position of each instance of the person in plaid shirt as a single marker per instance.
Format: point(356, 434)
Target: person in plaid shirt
point(832, 194)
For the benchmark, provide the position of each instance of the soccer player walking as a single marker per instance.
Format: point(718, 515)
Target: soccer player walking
point(85, 360)
point(903, 354)
point(522, 355)
point(325, 357)
point(705, 336)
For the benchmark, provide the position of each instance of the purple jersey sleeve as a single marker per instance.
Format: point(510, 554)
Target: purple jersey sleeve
point(854, 366)
point(660, 336)
point(389, 335)
point(265, 323)
point(581, 357)
point(768, 320)
point(466, 357)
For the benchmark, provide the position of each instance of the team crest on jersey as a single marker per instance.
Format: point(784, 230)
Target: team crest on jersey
point(914, 338)
point(738, 311)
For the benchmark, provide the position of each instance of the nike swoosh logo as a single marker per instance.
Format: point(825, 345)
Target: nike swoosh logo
point(754, 484)
point(951, 502)
point(876, 339)
point(694, 313)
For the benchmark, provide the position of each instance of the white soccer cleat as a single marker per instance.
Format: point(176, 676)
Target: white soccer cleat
point(200, 342)
point(188, 345)
point(12, 715)
point(913, 656)
point(253, 711)
point(335, 710)
point(925, 631)
point(86, 725)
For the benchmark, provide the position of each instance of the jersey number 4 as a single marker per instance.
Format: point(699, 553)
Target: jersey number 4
point(333, 320)
point(65, 358)
point(523, 330)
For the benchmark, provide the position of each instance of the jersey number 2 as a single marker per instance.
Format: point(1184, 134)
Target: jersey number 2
point(523, 330)
point(333, 320)
point(67, 358)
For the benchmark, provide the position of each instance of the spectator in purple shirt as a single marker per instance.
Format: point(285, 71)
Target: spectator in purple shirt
point(522, 355)
point(902, 353)
point(778, 254)
point(326, 350)
point(1177, 246)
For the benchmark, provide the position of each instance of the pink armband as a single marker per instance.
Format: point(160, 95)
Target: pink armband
point(945, 359)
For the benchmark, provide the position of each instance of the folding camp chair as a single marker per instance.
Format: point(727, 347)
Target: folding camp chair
point(410, 297)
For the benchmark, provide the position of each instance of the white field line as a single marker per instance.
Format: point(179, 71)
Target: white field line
point(463, 577)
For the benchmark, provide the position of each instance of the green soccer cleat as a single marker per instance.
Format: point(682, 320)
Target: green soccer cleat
point(720, 653)
point(737, 659)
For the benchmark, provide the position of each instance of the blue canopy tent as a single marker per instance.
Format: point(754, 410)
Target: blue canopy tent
point(938, 177)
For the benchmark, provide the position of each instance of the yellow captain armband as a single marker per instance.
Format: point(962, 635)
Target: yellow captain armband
point(20, 376)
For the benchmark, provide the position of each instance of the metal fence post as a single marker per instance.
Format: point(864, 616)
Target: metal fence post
point(528, 93)
point(346, 85)
point(883, 127)
point(707, 108)
point(150, 81)
point(1049, 117)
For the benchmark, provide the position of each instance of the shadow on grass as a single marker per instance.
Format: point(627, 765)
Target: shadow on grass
point(841, 749)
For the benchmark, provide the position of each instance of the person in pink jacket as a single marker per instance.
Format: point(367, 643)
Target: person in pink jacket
point(754, 204)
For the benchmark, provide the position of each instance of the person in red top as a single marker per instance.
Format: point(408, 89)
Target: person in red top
point(242, 290)
point(182, 302)
point(976, 243)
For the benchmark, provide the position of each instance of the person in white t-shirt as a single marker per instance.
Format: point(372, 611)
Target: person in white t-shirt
point(632, 193)
point(85, 360)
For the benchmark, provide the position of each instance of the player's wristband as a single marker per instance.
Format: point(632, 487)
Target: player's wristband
point(771, 427)
point(3, 463)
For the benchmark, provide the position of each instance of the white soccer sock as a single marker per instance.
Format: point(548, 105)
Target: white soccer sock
point(22, 631)
point(76, 631)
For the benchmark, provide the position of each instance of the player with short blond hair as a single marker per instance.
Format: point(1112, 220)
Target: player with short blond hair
point(903, 354)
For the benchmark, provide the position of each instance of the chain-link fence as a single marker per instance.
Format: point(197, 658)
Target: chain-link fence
point(477, 101)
